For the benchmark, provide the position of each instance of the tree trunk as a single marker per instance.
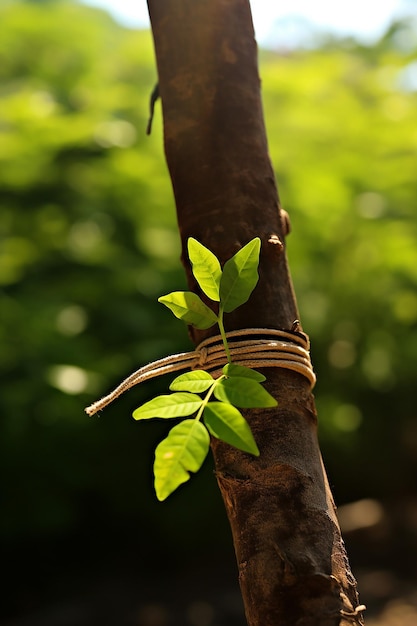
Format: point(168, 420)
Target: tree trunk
point(293, 568)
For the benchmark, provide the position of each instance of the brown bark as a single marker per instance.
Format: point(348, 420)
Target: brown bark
point(293, 568)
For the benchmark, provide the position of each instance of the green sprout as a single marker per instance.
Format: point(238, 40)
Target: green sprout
point(187, 444)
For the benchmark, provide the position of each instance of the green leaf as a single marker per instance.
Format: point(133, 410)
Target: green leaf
point(240, 275)
point(225, 422)
point(183, 451)
point(240, 371)
point(206, 268)
point(196, 381)
point(174, 405)
point(188, 307)
point(244, 393)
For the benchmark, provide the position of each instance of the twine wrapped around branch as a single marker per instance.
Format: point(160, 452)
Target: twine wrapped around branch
point(251, 347)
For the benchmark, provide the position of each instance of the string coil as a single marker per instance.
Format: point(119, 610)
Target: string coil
point(251, 347)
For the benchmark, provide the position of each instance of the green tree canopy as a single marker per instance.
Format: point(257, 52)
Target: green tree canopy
point(88, 242)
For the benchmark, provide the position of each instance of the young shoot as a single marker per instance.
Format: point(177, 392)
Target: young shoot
point(214, 403)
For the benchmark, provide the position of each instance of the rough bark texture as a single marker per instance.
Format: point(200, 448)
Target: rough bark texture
point(293, 568)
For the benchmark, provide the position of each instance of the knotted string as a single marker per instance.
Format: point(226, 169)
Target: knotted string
point(251, 347)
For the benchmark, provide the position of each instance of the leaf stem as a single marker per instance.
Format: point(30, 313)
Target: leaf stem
point(207, 397)
point(223, 334)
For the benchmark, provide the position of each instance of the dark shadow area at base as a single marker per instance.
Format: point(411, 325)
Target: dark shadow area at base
point(125, 581)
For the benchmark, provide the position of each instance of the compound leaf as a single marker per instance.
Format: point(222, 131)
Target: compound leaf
point(225, 422)
point(174, 405)
point(244, 393)
point(240, 275)
point(189, 307)
point(206, 268)
point(196, 381)
point(240, 371)
point(182, 452)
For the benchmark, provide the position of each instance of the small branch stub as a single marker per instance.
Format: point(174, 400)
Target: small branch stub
point(274, 240)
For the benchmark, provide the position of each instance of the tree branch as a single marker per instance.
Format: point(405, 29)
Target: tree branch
point(293, 568)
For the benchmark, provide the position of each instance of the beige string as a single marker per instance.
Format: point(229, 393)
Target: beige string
point(252, 347)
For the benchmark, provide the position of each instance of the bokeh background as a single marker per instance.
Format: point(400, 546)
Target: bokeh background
point(88, 242)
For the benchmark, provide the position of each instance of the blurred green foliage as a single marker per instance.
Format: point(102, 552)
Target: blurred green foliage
point(342, 125)
point(88, 241)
